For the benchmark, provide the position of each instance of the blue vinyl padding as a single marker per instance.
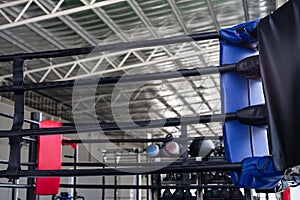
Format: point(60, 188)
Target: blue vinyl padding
point(259, 172)
point(231, 34)
point(240, 140)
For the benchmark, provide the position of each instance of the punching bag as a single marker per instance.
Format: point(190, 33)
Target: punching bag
point(279, 47)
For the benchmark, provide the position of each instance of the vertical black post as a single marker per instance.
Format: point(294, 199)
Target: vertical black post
point(137, 190)
point(153, 191)
point(14, 192)
point(199, 191)
point(115, 178)
point(15, 141)
point(148, 176)
point(155, 180)
point(147, 183)
point(185, 154)
point(74, 178)
point(103, 177)
point(103, 183)
point(267, 196)
point(158, 182)
point(248, 194)
point(32, 155)
point(137, 176)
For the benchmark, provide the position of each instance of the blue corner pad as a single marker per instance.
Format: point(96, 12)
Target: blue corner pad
point(259, 173)
point(240, 33)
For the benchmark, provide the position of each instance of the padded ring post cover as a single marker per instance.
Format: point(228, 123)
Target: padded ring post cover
point(49, 158)
point(240, 140)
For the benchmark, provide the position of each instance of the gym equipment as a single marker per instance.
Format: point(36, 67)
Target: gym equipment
point(167, 193)
point(225, 194)
point(153, 150)
point(219, 151)
point(172, 148)
point(169, 177)
point(178, 194)
point(49, 158)
point(236, 193)
point(187, 194)
point(201, 148)
point(219, 176)
point(207, 178)
point(64, 196)
point(209, 194)
point(212, 193)
point(164, 153)
point(227, 178)
point(169, 148)
point(178, 177)
point(194, 178)
point(280, 74)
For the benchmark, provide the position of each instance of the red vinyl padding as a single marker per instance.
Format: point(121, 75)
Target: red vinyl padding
point(286, 195)
point(73, 145)
point(49, 158)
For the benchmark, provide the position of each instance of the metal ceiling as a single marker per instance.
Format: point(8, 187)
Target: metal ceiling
point(39, 25)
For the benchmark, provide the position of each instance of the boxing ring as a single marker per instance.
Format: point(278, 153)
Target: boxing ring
point(259, 131)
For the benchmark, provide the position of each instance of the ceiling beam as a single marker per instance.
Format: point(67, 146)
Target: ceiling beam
point(58, 14)
point(72, 24)
point(13, 3)
point(39, 30)
point(178, 16)
point(89, 59)
point(213, 14)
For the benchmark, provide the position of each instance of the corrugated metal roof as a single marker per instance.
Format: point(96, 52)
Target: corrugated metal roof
point(39, 25)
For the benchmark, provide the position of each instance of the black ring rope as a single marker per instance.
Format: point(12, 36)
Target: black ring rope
point(210, 166)
point(139, 140)
point(112, 47)
point(112, 127)
point(125, 79)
